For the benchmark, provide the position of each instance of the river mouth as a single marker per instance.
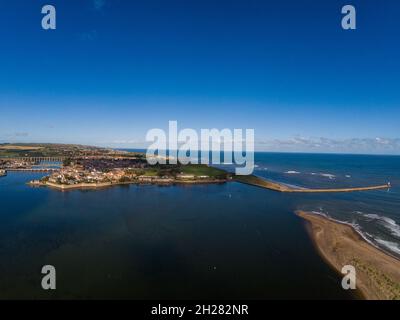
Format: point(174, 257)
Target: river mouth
point(155, 242)
point(229, 241)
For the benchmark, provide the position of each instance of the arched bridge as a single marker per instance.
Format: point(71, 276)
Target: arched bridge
point(36, 159)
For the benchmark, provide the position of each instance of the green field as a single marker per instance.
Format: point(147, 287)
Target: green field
point(55, 150)
point(201, 170)
point(172, 170)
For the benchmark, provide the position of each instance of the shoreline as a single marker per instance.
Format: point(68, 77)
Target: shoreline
point(95, 186)
point(339, 244)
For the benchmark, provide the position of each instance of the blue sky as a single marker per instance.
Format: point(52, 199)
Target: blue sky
point(114, 69)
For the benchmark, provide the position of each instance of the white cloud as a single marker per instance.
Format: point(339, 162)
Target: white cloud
point(376, 145)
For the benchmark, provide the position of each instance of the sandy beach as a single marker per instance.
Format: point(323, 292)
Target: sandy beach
point(377, 273)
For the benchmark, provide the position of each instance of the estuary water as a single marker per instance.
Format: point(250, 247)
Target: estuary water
point(228, 241)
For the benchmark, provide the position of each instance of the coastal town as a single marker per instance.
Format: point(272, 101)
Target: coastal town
point(73, 167)
point(94, 173)
point(16, 164)
point(76, 166)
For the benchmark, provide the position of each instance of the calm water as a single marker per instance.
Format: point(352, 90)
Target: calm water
point(213, 241)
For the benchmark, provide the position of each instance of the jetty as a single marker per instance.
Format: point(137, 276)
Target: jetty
point(280, 187)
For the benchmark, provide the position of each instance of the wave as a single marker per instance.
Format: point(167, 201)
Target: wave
point(328, 175)
point(386, 222)
point(354, 225)
point(392, 246)
point(258, 168)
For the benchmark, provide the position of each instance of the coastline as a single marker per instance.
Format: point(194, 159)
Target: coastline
point(339, 244)
point(95, 186)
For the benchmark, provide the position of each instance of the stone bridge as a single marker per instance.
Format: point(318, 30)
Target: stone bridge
point(36, 159)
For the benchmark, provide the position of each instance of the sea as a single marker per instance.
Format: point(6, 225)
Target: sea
point(225, 241)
